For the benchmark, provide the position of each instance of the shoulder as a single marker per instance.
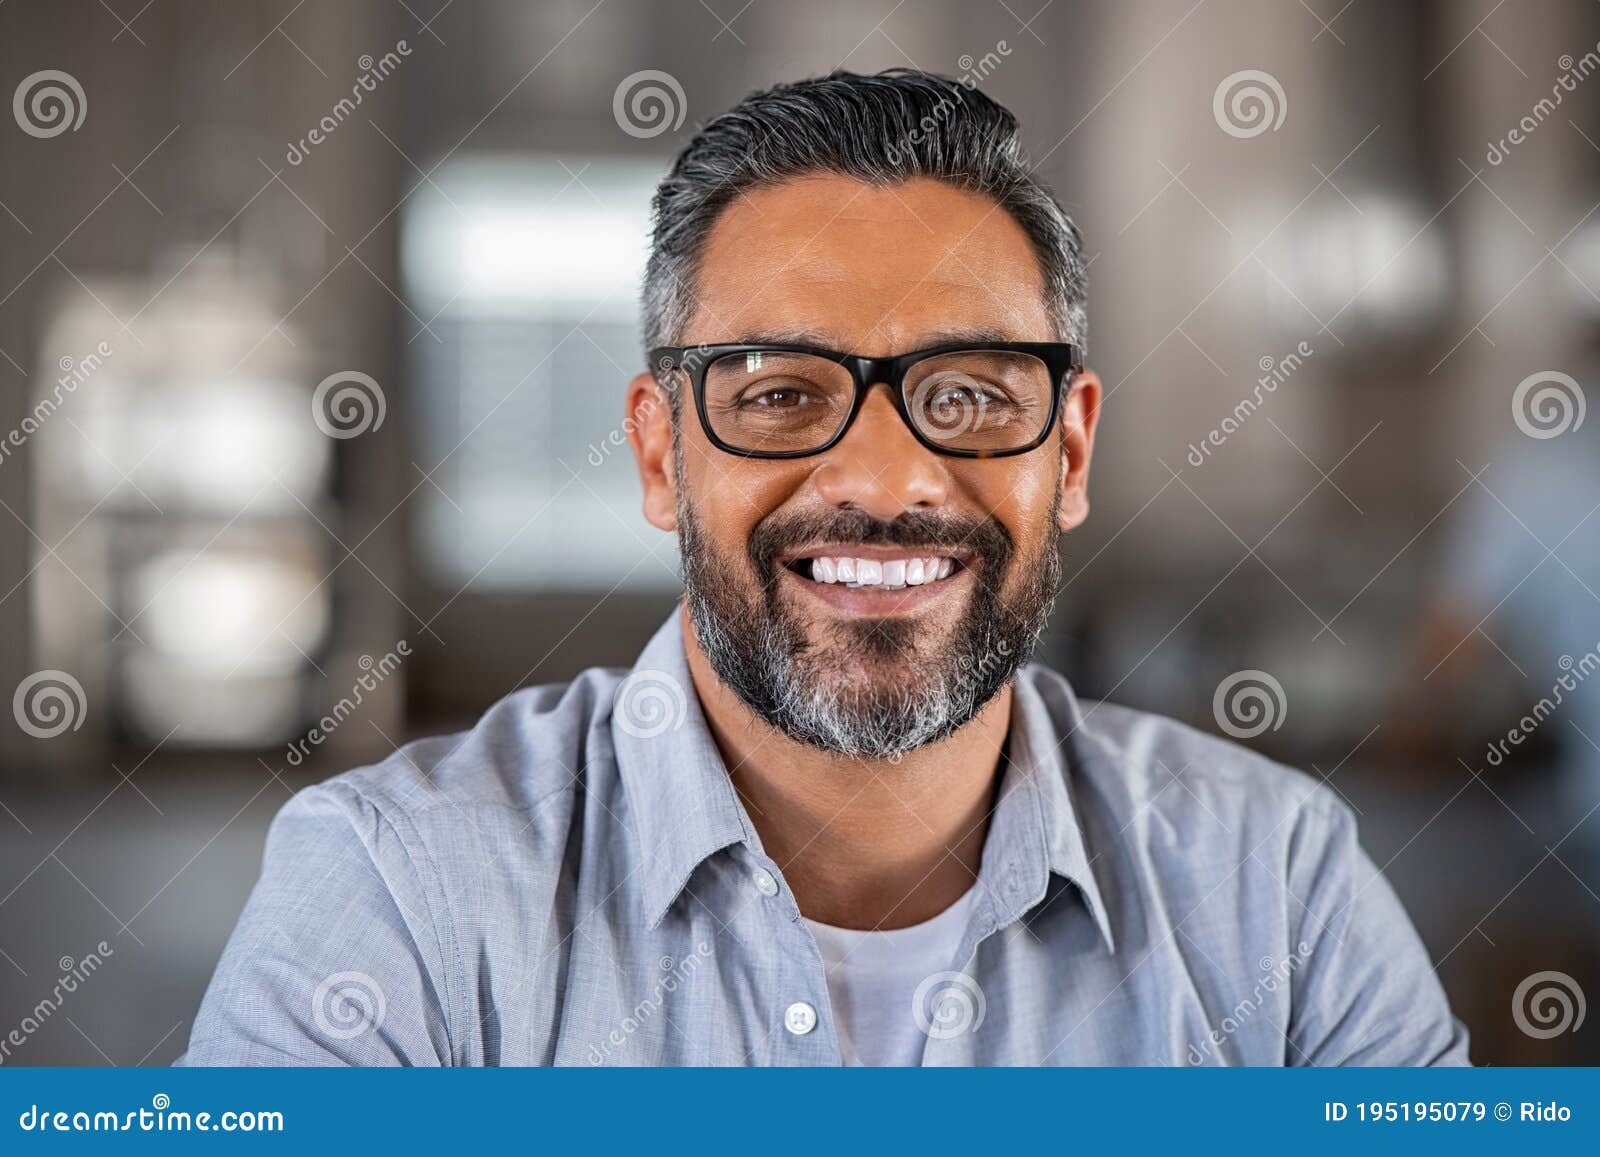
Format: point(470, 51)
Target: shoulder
point(1152, 771)
point(531, 755)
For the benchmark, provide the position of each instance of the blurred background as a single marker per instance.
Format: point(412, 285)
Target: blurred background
point(315, 321)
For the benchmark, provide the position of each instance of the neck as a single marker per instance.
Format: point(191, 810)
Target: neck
point(863, 843)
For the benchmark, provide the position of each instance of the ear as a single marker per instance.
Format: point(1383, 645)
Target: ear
point(649, 426)
point(1080, 413)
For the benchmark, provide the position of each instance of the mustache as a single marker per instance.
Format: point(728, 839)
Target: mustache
point(985, 538)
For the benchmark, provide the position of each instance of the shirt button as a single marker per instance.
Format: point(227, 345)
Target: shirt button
point(765, 884)
point(800, 1018)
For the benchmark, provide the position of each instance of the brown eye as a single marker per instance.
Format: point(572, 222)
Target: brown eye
point(778, 398)
point(957, 392)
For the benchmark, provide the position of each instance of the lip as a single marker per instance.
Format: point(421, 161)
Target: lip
point(857, 550)
point(878, 603)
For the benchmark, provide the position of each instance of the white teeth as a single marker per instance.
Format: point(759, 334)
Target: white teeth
point(888, 574)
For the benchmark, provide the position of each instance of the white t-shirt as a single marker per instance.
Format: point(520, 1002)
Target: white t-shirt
point(873, 982)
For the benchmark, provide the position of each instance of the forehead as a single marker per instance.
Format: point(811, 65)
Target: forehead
point(873, 269)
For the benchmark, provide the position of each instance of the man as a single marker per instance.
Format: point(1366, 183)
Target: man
point(832, 816)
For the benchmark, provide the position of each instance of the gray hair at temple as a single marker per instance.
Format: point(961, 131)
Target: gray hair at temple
point(883, 129)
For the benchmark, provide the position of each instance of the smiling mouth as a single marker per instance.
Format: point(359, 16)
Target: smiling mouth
point(890, 573)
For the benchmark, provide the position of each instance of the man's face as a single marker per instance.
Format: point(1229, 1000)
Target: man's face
point(870, 670)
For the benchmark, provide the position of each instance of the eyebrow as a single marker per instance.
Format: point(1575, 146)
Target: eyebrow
point(959, 336)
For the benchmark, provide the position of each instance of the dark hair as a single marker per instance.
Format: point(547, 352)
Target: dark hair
point(883, 129)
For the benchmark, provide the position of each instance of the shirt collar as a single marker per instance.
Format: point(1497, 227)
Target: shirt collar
point(685, 807)
point(678, 790)
point(1035, 824)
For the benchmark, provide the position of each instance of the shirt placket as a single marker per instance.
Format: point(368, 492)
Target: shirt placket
point(795, 988)
point(1013, 877)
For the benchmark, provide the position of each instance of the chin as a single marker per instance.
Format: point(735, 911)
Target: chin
point(893, 645)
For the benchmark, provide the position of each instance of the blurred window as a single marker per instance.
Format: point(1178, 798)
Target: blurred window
point(526, 273)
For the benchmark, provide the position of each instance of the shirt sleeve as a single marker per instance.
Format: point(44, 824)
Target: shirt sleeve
point(335, 960)
point(1364, 991)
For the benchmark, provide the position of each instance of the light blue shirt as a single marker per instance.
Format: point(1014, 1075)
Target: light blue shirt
point(574, 881)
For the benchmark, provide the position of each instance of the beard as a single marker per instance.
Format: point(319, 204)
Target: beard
point(868, 688)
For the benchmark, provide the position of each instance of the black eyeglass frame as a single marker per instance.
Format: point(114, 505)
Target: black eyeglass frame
point(1061, 358)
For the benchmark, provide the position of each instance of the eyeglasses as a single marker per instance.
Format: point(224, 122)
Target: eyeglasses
point(789, 401)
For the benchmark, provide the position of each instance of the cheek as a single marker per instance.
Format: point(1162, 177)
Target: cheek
point(731, 495)
point(1020, 493)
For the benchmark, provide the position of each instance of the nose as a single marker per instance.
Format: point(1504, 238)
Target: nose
point(879, 467)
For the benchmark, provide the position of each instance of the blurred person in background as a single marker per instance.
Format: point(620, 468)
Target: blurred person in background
point(1508, 651)
point(834, 815)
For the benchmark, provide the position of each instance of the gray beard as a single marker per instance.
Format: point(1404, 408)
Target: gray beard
point(821, 695)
